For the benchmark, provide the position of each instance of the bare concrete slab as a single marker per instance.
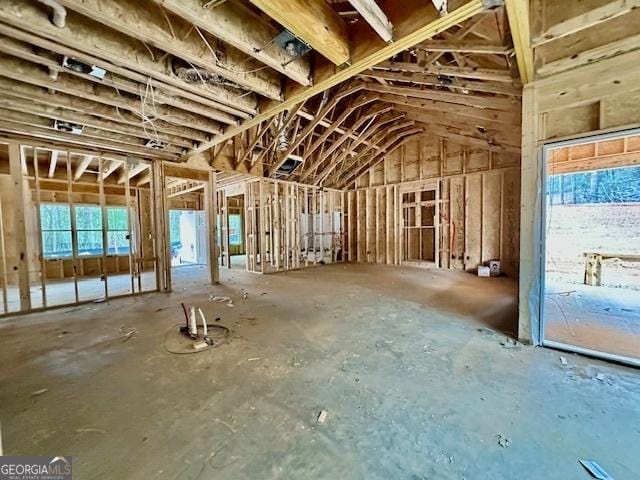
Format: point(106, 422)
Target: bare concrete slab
point(411, 367)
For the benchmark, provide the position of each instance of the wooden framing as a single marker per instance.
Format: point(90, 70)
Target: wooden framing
point(556, 108)
point(518, 13)
point(375, 17)
point(414, 24)
point(45, 177)
point(289, 225)
point(315, 22)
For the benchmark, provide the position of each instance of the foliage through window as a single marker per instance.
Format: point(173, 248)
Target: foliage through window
point(89, 230)
point(55, 221)
point(57, 233)
point(117, 230)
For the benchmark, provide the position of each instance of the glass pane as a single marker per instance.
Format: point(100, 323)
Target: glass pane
point(235, 230)
point(88, 218)
point(90, 242)
point(118, 243)
point(117, 218)
point(56, 244)
point(592, 264)
point(55, 217)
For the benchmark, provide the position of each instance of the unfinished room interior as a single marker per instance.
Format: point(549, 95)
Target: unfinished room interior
point(321, 239)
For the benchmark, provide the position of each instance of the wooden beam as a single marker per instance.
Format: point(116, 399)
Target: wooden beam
point(590, 56)
point(594, 163)
point(19, 231)
point(150, 26)
point(283, 128)
point(256, 141)
point(478, 47)
point(335, 145)
point(82, 167)
point(30, 132)
point(465, 72)
point(315, 22)
point(119, 55)
point(375, 17)
point(132, 171)
point(379, 138)
point(361, 139)
point(589, 19)
point(501, 88)
point(510, 118)
point(88, 134)
point(358, 103)
point(192, 188)
point(386, 147)
point(34, 107)
point(485, 102)
point(53, 162)
point(26, 51)
point(237, 25)
point(466, 137)
point(111, 167)
point(308, 129)
point(444, 118)
point(376, 159)
point(518, 14)
point(414, 22)
point(84, 112)
point(16, 69)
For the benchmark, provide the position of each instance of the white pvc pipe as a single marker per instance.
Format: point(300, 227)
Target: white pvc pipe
point(204, 322)
point(193, 327)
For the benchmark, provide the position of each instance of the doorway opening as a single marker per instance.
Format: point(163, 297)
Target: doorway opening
point(231, 230)
point(188, 237)
point(188, 245)
point(591, 278)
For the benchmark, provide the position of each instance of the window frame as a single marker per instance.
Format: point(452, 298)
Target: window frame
point(128, 231)
point(72, 253)
point(77, 230)
point(74, 230)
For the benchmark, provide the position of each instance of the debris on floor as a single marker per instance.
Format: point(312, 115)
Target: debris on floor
point(39, 392)
point(503, 441)
point(201, 345)
point(595, 470)
point(509, 342)
point(128, 333)
point(218, 299)
point(601, 377)
point(91, 430)
point(322, 416)
point(563, 360)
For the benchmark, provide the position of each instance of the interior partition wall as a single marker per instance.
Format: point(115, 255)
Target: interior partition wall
point(290, 225)
point(73, 227)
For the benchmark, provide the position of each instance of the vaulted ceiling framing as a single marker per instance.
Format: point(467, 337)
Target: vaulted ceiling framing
point(184, 79)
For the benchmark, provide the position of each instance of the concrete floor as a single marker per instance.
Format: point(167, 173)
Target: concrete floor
point(410, 365)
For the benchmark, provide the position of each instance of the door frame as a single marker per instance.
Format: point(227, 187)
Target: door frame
point(542, 156)
point(419, 187)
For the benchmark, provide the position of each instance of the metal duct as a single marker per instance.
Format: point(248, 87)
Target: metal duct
point(283, 138)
